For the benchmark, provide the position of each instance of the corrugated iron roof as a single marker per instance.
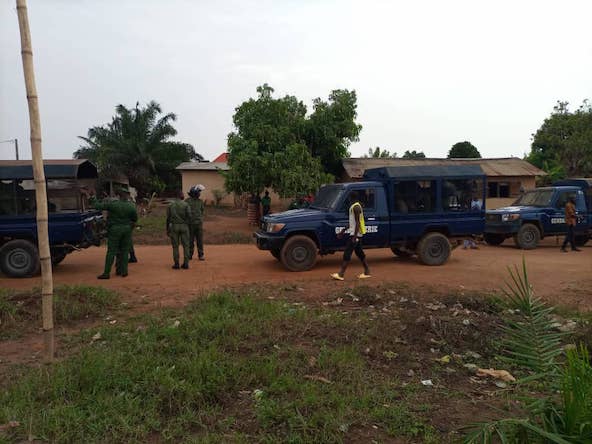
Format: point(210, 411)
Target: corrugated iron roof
point(203, 166)
point(507, 167)
point(221, 158)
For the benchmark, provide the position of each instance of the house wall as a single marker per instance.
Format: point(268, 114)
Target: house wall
point(213, 180)
point(515, 183)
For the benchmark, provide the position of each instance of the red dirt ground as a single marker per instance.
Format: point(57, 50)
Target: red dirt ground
point(564, 279)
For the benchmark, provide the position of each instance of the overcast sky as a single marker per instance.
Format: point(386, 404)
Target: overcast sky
point(427, 73)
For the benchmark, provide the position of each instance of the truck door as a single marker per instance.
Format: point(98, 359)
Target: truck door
point(374, 206)
point(556, 223)
point(376, 218)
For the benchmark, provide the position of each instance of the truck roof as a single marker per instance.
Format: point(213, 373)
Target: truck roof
point(423, 172)
point(54, 169)
point(582, 182)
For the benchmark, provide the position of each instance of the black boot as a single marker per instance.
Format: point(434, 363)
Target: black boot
point(185, 265)
point(176, 266)
point(103, 276)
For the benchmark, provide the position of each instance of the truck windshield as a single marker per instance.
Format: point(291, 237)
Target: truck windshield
point(540, 198)
point(327, 197)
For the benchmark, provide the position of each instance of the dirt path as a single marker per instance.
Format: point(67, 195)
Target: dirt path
point(561, 278)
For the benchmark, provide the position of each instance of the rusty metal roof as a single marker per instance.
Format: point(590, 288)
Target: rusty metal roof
point(506, 167)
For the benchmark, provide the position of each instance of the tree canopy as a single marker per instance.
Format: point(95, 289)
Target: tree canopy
point(137, 143)
point(275, 144)
point(462, 150)
point(562, 146)
point(414, 155)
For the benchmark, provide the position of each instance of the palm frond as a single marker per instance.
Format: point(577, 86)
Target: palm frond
point(531, 341)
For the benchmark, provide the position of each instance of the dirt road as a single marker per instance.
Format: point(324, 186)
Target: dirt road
point(560, 278)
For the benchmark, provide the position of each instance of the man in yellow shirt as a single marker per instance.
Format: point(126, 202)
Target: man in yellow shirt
point(355, 231)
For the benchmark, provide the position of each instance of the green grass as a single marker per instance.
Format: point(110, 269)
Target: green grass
point(233, 369)
point(19, 311)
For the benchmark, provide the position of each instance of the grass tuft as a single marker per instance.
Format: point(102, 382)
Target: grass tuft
point(20, 310)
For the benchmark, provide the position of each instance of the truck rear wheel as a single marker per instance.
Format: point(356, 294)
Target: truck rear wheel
point(19, 258)
point(434, 249)
point(494, 238)
point(528, 237)
point(299, 253)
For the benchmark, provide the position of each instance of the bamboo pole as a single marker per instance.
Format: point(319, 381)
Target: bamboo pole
point(39, 176)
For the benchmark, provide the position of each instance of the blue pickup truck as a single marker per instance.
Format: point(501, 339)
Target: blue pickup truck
point(540, 213)
point(72, 224)
point(411, 210)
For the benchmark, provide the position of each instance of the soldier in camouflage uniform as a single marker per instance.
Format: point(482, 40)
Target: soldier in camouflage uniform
point(197, 207)
point(122, 216)
point(177, 223)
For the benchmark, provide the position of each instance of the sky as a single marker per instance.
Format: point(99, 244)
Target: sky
point(427, 73)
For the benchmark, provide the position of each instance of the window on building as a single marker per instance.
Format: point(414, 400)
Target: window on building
point(415, 196)
point(498, 189)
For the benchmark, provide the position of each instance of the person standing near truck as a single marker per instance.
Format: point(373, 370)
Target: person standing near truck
point(177, 226)
point(355, 231)
point(122, 216)
point(197, 208)
point(570, 221)
point(266, 203)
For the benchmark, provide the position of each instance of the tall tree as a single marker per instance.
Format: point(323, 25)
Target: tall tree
point(276, 145)
point(137, 143)
point(562, 146)
point(461, 150)
point(332, 127)
point(379, 153)
point(39, 176)
point(414, 155)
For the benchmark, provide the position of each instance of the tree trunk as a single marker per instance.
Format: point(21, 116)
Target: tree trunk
point(39, 176)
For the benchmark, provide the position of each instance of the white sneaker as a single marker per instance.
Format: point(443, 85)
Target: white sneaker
point(364, 276)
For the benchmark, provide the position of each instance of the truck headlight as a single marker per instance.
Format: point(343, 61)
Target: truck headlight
point(509, 217)
point(274, 228)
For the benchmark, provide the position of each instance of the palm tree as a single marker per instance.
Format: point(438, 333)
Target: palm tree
point(137, 143)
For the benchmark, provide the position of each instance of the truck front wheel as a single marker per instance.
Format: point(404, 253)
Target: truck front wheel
point(494, 238)
point(433, 249)
point(528, 237)
point(19, 258)
point(299, 253)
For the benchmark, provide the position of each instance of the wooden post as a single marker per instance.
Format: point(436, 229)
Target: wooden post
point(39, 176)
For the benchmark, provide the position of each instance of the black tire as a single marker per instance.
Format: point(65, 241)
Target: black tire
point(494, 238)
point(299, 253)
point(401, 253)
point(275, 253)
point(580, 241)
point(528, 237)
point(434, 249)
point(19, 258)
